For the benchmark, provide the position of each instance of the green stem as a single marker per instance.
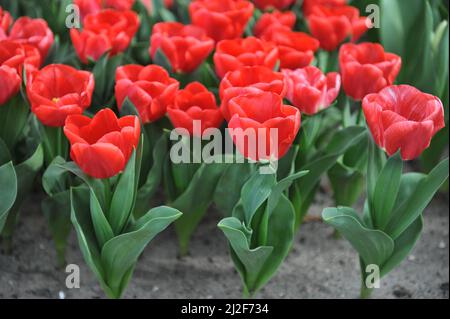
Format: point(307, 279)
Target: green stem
point(365, 291)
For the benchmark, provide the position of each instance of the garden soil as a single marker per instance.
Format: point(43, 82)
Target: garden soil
point(319, 265)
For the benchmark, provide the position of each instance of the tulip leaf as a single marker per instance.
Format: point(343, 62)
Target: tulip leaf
point(347, 184)
point(123, 197)
point(374, 246)
point(5, 155)
point(255, 192)
point(13, 119)
point(412, 208)
point(8, 190)
point(120, 253)
point(53, 179)
point(385, 192)
point(195, 201)
point(82, 222)
point(161, 59)
point(375, 164)
point(228, 190)
point(103, 230)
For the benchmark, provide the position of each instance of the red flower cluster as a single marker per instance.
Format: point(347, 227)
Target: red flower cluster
point(224, 19)
point(274, 19)
point(13, 58)
point(273, 4)
point(57, 91)
point(308, 5)
point(149, 88)
point(186, 46)
point(102, 146)
point(106, 31)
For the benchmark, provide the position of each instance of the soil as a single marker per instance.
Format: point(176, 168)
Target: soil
point(319, 266)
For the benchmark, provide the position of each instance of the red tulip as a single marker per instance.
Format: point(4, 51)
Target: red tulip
point(366, 68)
point(94, 6)
point(262, 127)
point(332, 26)
point(34, 32)
point(296, 49)
point(57, 91)
point(13, 57)
point(186, 46)
point(273, 4)
point(221, 19)
point(310, 90)
point(109, 30)
point(308, 5)
point(231, 55)
point(403, 118)
point(5, 22)
point(102, 146)
point(277, 18)
point(251, 79)
point(149, 88)
point(195, 103)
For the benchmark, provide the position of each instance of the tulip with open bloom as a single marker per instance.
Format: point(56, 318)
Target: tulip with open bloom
point(195, 103)
point(403, 118)
point(149, 88)
point(5, 23)
point(101, 146)
point(185, 46)
point(250, 79)
point(366, 68)
point(310, 90)
point(262, 127)
point(57, 91)
point(94, 6)
point(276, 18)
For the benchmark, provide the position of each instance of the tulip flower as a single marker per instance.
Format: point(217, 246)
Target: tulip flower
point(231, 55)
point(332, 26)
point(5, 23)
point(276, 18)
point(403, 118)
point(221, 19)
point(13, 56)
point(270, 126)
point(296, 49)
point(149, 88)
point(107, 31)
point(310, 90)
point(186, 46)
point(195, 103)
point(101, 146)
point(273, 4)
point(94, 6)
point(251, 79)
point(34, 32)
point(308, 5)
point(57, 91)
point(366, 68)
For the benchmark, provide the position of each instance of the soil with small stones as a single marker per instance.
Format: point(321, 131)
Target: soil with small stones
point(319, 265)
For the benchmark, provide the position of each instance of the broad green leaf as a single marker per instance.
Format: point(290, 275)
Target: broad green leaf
point(103, 230)
point(374, 246)
point(121, 252)
point(53, 179)
point(252, 260)
point(347, 184)
point(374, 166)
point(403, 245)
point(255, 192)
point(8, 190)
point(5, 155)
point(82, 222)
point(123, 197)
point(412, 208)
point(161, 59)
point(13, 118)
point(386, 189)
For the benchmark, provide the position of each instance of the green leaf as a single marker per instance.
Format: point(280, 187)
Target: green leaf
point(5, 155)
point(347, 184)
point(374, 246)
point(8, 190)
point(123, 198)
point(161, 59)
point(386, 190)
point(102, 228)
point(121, 253)
point(13, 118)
point(374, 166)
point(53, 179)
point(412, 208)
point(255, 192)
